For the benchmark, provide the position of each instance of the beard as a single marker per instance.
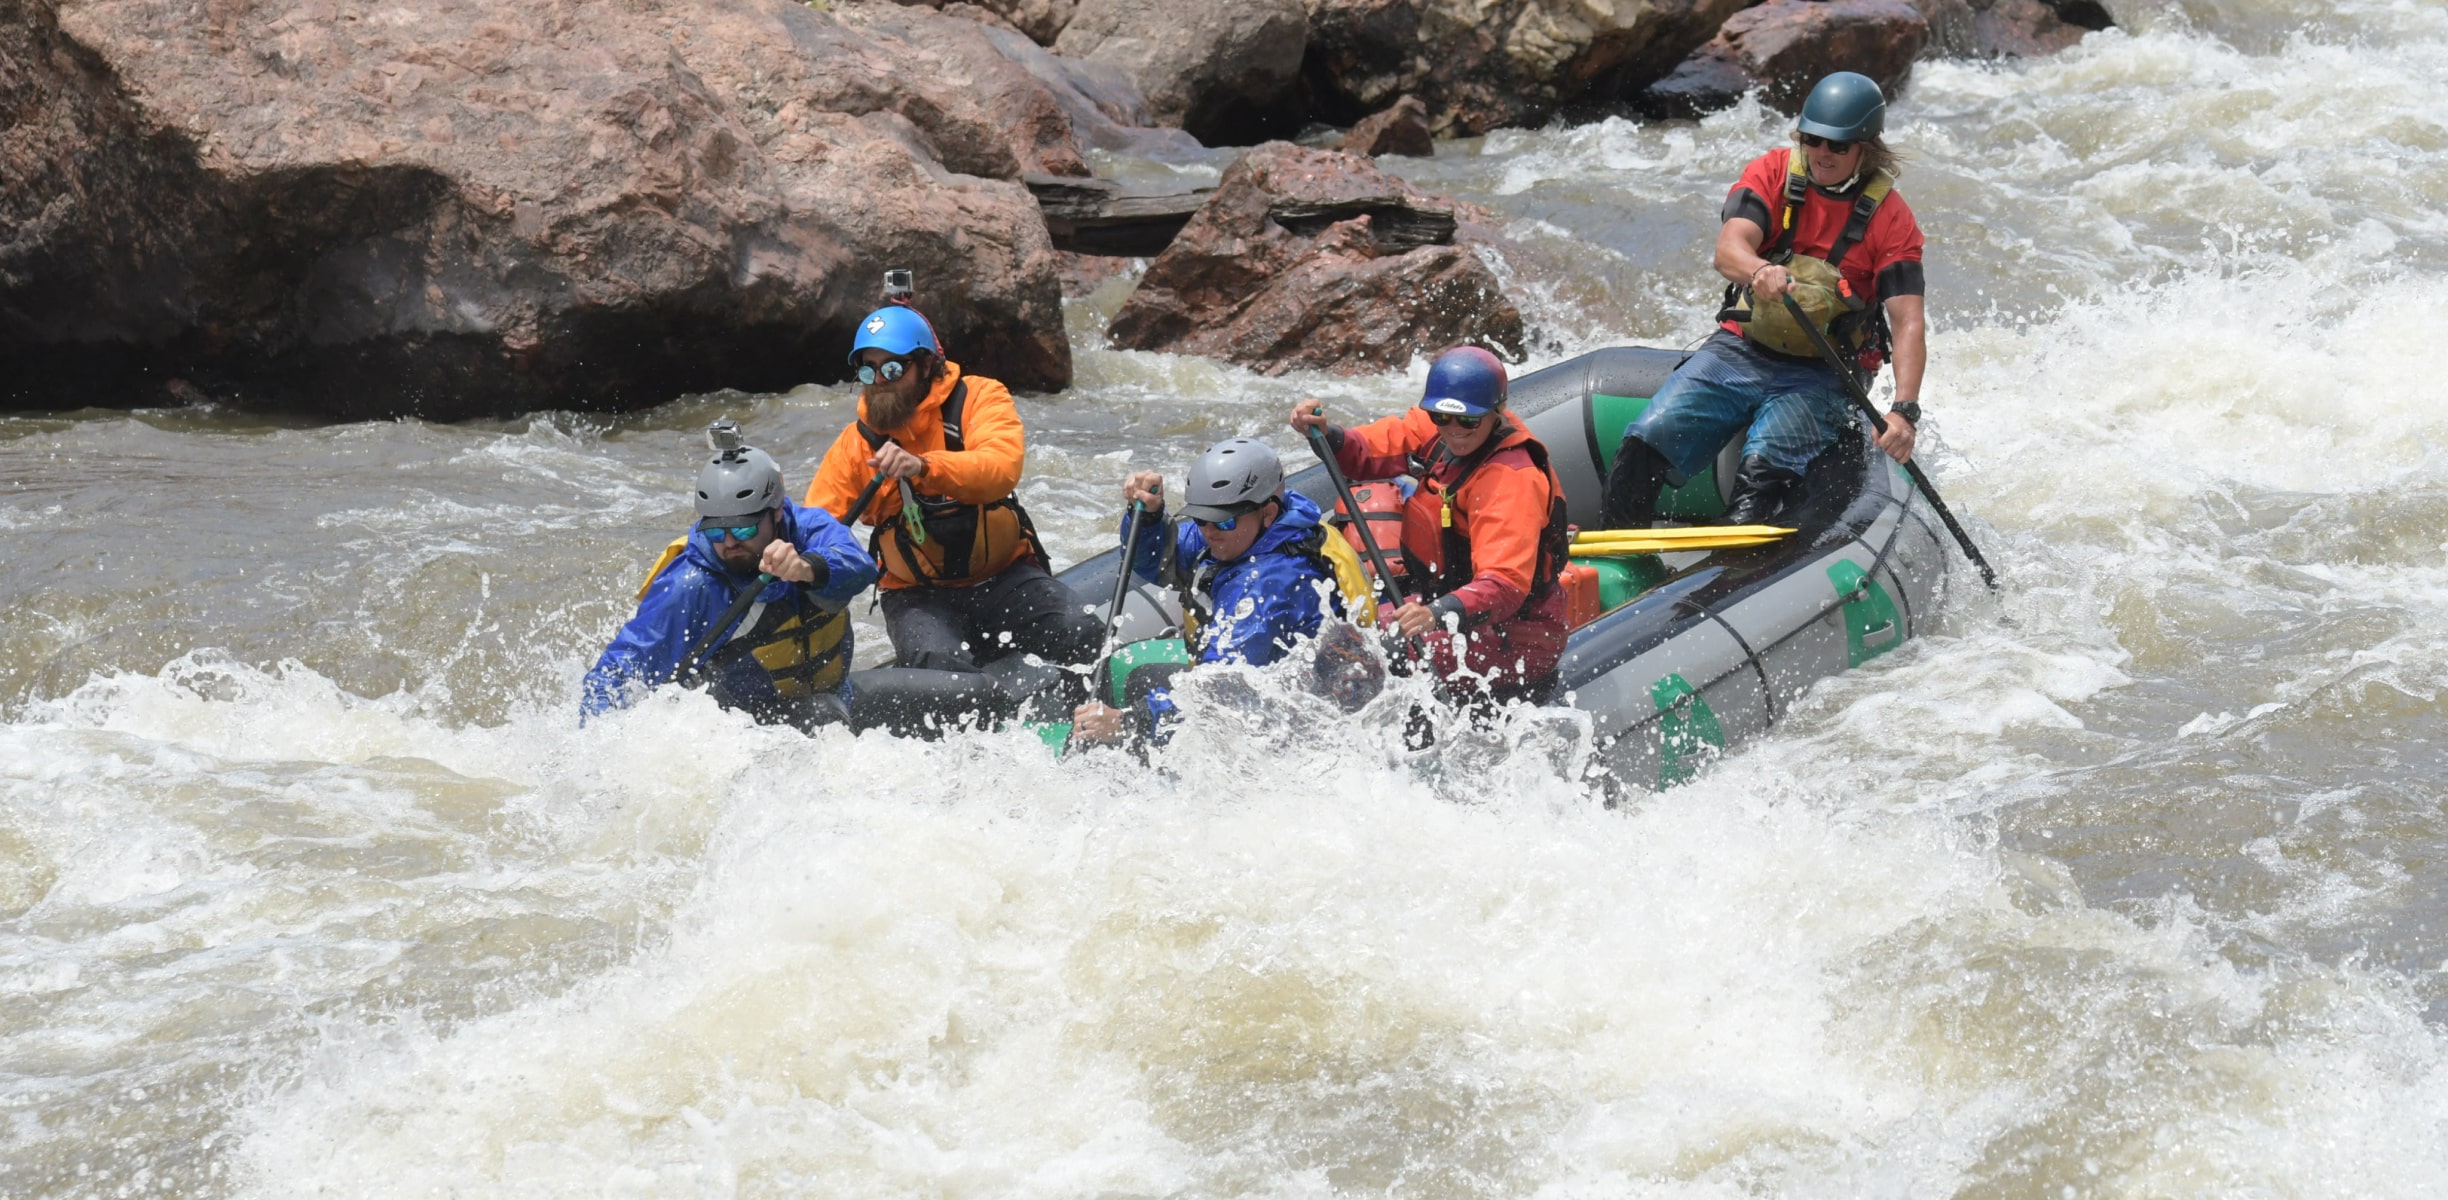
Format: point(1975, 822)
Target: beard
point(890, 406)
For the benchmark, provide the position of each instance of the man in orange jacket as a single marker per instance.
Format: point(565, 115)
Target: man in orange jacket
point(1484, 536)
point(965, 580)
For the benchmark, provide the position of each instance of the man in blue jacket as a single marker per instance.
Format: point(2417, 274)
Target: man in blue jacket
point(1253, 561)
point(785, 656)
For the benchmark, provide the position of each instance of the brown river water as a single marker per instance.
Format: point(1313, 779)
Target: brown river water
point(2128, 883)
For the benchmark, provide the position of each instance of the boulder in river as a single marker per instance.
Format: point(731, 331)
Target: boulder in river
point(1783, 47)
point(1227, 71)
point(1041, 20)
point(449, 209)
point(2009, 28)
point(1317, 259)
point(1401, 129)
point(1481, 64)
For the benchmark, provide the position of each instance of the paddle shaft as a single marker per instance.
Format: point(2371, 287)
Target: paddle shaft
point(1122, 577)
point(1861, 400)
point(1359, 520)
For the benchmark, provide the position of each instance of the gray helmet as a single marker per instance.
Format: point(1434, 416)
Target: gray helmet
point(740, 480)
point(1236, 476)
point(1846, 107)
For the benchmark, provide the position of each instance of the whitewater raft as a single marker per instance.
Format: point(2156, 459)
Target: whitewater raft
point(1692, 652)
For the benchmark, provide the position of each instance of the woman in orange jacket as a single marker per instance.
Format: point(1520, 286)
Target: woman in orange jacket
point(965, 580)
point(1483, 537)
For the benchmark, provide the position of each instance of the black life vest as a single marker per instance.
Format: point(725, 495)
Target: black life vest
point(957, 543)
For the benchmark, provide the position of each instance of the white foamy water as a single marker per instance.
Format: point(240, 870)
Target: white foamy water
point(2126, 883)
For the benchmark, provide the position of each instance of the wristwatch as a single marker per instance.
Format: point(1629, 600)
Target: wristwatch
point(1910, 410)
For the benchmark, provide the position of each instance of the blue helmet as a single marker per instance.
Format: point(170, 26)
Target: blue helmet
point(896, 330)
point(1465, 381)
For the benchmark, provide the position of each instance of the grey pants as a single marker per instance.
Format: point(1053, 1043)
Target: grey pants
point(1024, 610)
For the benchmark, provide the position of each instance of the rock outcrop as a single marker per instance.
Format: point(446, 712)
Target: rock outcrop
point(456, 208)
point(1783, 47)
point(1226, 71)
point(1317, 259)
point(1402, 129)
point(1481, 64)
point(1041, 20)
point(2009, 28)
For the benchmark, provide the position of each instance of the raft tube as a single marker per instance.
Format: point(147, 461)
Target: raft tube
point(1703, 649)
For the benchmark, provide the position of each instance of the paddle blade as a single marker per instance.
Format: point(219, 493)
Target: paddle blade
point(1680, 532)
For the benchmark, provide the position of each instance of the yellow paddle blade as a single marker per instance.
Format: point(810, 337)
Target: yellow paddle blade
point(1699, 532)
point(1613, 549)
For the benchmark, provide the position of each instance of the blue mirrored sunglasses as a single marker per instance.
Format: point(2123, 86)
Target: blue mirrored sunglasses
point(716, 533)
point(887, 371)
point(1224, 526)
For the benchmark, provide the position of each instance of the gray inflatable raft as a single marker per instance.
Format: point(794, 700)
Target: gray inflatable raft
point(1696, 651)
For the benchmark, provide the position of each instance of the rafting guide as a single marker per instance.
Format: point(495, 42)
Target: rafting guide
point(1256, 567)
point(752, 599)
point(1820, 222)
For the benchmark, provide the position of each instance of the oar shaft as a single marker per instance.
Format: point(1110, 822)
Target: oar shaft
point(1861, 400)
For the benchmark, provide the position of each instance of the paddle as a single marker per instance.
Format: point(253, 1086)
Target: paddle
point(739, 604)
point(1861, 400)
point(1679, 533)
point(1122, 577)
point(1359, 519)
point(1624, 549)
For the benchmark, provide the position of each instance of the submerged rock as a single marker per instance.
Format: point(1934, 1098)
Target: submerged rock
point(2009, 28)
point(1224, 70)
point(456, 208)
point(1783, 47)
point(1481, 64)
point(1317, 259)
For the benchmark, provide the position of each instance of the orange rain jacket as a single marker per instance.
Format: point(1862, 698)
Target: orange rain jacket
point(985, 470)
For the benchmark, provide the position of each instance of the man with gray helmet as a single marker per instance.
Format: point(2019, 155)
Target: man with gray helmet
point(1818, 221)
point(785, 655)
point(1257, 567)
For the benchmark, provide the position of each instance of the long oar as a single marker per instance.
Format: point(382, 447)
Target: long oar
point(1368, 540)
point(1861, 400)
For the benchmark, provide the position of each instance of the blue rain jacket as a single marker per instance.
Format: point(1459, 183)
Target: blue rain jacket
point(1258, 604)
point(693, 592)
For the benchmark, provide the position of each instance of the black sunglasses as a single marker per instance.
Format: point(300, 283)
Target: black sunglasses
point(1815, 142)
point(888, 371)
point(1441, 420)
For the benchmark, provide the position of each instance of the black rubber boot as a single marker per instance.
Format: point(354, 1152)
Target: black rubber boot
point(1632, 487)
point(1761, 491)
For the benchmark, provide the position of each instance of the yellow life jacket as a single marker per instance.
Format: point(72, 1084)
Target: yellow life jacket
point(1850, 322)
point(804, 648)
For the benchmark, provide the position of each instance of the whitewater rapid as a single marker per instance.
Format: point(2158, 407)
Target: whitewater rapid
point(2128, 883)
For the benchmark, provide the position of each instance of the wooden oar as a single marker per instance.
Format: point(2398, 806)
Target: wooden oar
point(1680, 533)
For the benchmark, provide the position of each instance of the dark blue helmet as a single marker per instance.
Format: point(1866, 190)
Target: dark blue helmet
point(896, 330)
point(1465, 381)
point(1844, 107)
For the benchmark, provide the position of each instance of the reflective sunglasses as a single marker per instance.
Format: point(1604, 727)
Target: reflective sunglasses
point(1224, 526)
point(1441, 420)
point(887, 371)
point(1815, 142)
point(716, 533)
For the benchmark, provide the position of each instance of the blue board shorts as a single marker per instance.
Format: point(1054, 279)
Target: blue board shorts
point(1794, 408)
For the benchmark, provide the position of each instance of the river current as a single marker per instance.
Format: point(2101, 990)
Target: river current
point(2128, 883)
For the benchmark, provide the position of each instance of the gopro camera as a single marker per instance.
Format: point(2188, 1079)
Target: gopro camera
point(725, 438)
point(900, 287)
